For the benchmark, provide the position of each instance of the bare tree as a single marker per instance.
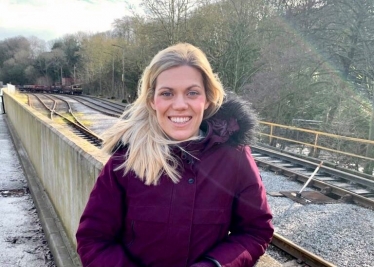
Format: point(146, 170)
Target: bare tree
point(171, 17)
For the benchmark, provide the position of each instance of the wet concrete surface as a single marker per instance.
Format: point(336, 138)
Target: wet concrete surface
point(22, 240)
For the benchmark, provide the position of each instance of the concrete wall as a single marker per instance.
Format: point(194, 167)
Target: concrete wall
point(66, 165)
point(11, 88)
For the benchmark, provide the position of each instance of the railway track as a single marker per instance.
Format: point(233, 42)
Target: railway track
point(105, 107)
point(336, 184)
point(78, 127)
point(120, 106)
point(302, 255)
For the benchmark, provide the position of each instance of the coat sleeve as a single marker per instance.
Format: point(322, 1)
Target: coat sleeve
point(251, 229)
point(100, 226)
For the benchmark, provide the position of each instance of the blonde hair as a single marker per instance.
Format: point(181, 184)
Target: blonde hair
point(148, 148)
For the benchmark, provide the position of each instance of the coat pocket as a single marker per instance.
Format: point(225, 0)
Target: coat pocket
point(209, 228)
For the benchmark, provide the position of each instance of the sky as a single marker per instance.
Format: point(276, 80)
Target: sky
point(52, 19)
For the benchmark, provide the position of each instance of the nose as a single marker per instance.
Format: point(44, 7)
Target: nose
point(180, 102)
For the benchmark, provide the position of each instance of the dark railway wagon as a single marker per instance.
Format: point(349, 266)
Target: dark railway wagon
point(75, 89)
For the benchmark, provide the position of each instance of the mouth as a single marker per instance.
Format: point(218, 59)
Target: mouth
point(180, 119)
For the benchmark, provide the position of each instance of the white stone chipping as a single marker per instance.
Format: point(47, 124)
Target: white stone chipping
point(342, 234)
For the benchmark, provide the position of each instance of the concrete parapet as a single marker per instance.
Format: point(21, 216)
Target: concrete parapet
point(66, 165)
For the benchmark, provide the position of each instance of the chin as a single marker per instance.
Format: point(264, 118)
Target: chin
point(181, 137)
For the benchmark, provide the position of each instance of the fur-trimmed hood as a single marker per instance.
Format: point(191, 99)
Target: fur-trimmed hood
point(234, 123)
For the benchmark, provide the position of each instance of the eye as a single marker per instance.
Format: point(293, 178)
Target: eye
point(193, 93)
point(166, 94)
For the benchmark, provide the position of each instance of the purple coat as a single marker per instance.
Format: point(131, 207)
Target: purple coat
point(217, 210)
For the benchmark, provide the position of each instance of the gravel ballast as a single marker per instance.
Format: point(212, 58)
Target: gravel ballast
point(342, 234)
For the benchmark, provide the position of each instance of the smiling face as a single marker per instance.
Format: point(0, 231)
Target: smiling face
point(180, 101)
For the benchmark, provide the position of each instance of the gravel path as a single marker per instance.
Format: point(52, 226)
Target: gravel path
point(342, 234)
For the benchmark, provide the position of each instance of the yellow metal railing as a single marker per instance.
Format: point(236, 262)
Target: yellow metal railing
point(315, 140)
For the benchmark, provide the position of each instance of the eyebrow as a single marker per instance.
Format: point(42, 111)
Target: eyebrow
point(188, 88)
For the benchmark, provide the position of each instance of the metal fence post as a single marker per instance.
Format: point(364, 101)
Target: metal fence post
point(2, 104)
point(315, 146)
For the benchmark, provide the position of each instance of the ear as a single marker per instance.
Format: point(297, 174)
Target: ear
point(152, 104)
point(207, 104)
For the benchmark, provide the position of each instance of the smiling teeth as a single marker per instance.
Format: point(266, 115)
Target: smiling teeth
point(180, 119)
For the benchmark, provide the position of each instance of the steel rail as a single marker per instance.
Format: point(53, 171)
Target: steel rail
point(102, 109)
point(340, 173)
point(115, 104)
point(315, 160)
point(299, 253)
point(70, 110)
point(345, 195)
point(95, 139)
point(45, 106)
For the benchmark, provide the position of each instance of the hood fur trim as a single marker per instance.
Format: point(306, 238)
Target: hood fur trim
point(235, 121)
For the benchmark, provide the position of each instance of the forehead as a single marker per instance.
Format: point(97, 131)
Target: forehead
point(179, 76)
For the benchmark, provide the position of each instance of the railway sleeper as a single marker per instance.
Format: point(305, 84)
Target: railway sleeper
point(14, 192)
point(347, 198)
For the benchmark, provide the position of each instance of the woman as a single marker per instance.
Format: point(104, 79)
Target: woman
point(181, 188)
